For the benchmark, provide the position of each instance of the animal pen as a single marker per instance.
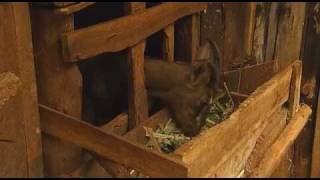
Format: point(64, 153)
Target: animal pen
point(58, 119)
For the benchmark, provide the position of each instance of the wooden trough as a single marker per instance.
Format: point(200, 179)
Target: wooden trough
point(251, 142)
point(224, 150)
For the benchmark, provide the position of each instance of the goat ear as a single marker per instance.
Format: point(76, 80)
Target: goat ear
point(200, 75)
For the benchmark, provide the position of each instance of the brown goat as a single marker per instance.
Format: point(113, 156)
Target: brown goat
point(186, 88)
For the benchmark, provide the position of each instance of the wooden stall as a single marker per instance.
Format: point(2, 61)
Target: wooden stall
point(46, 85)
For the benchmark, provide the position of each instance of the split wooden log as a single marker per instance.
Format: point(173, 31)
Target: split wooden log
point(85, 135)
point(276, 152)
point(124, 32)
point(73, 8)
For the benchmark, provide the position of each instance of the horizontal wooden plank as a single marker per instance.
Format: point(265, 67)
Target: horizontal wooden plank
point(273, 156)
point(272, 131)
point(73, 8)
point(124, 32)
point(118, 125)
point(251, 76)
point(219, 144)
point(54, 4)
point(110, 146)
point(9, 86)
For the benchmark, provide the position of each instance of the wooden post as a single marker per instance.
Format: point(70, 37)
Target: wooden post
point(168, 43)
point(187, 38)
point(278, 150)
point(287, 49)
point(315, 166)
point(19, 118)
point(59, 86)
point(138, 105)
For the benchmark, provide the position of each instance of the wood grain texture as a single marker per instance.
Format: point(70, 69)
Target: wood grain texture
point(273, 156)
point(9, 86)
point(251, 76)
point(315, 166)
point(271, 95)
point(138, 102)
point(276, 124)
point(19, 118)
point(73, 8)
point(124, 32)
point(59, 87)
point(168, 43)
point(85, 135)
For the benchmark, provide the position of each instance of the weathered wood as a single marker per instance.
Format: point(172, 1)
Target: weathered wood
point(315, 166)
point(119, 125)
point(273, 156)
point(291, 23)
point(19, 118)
point(85, 135)
point(9, 85)
point(251, 76)
point(212, 25)
point(55, 4)
point(121, 33)
point(250, 27)
point(235, 33)
point(258, 47)
point(272, 31)
point(294, 92)
point(168, 43)
point(73, 8)
point(221, 145)
point(59, 86)
point(276, 124)
point(138, 102)
point(136, 135)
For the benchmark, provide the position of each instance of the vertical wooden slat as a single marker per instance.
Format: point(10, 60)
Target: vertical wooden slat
point(315, 166)
point(287, 49)
point(19, 118)
point(168, 43)
point(138, 105)
point(59, 86)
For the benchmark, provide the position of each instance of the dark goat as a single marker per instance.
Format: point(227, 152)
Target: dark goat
point(186, 88)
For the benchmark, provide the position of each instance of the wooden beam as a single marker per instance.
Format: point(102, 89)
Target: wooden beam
point(272, 31)
point(9, 85)
point(251, 76)
point(290, 31)
point(187, 39)
point(121, 150)
point(118, 125)
point(294, 93)
point(19, 118)
point(138, 102)
point(124, 32)
point(59, 86)
point(274, 155)
point(315, 166)
point(276, 124)
point(236, 30)
point(73, 8)
point(168, 43)
point(221, 145)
